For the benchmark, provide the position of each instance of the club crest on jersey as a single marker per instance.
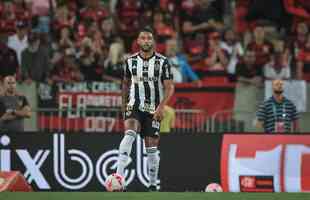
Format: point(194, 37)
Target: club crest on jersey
point(128, 113)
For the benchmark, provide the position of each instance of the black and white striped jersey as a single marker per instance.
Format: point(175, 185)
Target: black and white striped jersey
point(147, 76)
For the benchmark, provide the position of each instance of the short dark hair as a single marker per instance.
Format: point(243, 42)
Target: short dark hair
point(146, 29)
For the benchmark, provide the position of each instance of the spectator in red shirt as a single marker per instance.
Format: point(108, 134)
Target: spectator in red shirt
point(198, 19)
point(64, 18)
point(128, 14)
point(261, 46)
point(303, 62)
point(94, 10)
point(299, 40)
point(67, 70)
point(163, 31)
point(300, 9)
point(8, 60)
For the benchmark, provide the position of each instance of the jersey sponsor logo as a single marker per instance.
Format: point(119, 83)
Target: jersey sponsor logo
point(136, 79)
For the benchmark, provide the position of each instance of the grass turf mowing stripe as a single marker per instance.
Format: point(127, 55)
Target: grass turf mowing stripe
point(151, 196)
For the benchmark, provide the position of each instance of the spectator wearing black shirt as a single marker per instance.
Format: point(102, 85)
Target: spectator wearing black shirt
point(14, 107)
point(248, 89)
point(198, 21)
point(8, 60)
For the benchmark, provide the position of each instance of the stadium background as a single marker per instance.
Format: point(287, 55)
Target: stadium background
point(84, 42)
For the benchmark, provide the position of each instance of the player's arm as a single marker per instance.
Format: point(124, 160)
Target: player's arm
point(167, 80)
point(168, 92)
point(25, 111)
point(168, 83)
point(125, 85)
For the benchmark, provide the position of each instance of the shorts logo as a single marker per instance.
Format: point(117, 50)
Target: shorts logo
point(155, 124)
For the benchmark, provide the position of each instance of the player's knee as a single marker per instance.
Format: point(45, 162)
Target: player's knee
point(132, 124)
point(127, 141)
point(131, 133)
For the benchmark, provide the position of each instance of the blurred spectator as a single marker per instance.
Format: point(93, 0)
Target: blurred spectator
point(35, 60)
point(300, 9)
point(64, 18)
point(10, 13)
point(303, 61)
point(128, 14)
point(19, 41)
point(113, 68)
point(201, 17)
point(233, 48)
point(241, 11)
point(247, 72)
point(14, 107)
point(277, 114)
point(66, 38)
point(198, 19)
point(94, 11)
point(217, 57)
point(67, 70)
point(8, 60)
point(88, 61)
point(168, 121)
point(300, 38)
point(41, 10)
point(277, 68)
point(108, 30)
point(248, 92)
point(271, 11)
point(261, 46)
point(181, 70)
point(279, 65)
point(163, 31)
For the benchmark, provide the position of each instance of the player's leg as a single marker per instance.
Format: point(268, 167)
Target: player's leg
point(132, 127)
point(151, 144)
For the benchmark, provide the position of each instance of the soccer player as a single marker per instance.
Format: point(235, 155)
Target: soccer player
point(147, 88)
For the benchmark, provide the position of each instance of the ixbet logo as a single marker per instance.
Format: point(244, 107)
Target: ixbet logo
point(89, 168)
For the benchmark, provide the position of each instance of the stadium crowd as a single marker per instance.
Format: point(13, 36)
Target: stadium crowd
point(74, 40)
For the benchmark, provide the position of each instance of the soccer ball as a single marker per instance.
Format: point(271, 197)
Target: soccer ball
point(213, 187)
point(115, 183)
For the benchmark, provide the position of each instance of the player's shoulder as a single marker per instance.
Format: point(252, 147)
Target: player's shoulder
point(159, 55)
point(131, 56)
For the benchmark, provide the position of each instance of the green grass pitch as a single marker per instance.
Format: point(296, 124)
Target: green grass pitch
point(151, 196)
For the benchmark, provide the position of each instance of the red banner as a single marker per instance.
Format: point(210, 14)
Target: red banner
point(209, 99)
point(265, 163)
point(95, 107)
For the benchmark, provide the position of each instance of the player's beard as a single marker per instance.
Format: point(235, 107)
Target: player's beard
point(146, 48)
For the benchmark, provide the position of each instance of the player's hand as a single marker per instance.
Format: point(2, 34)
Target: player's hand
point(159, 113)
point(7, 116)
